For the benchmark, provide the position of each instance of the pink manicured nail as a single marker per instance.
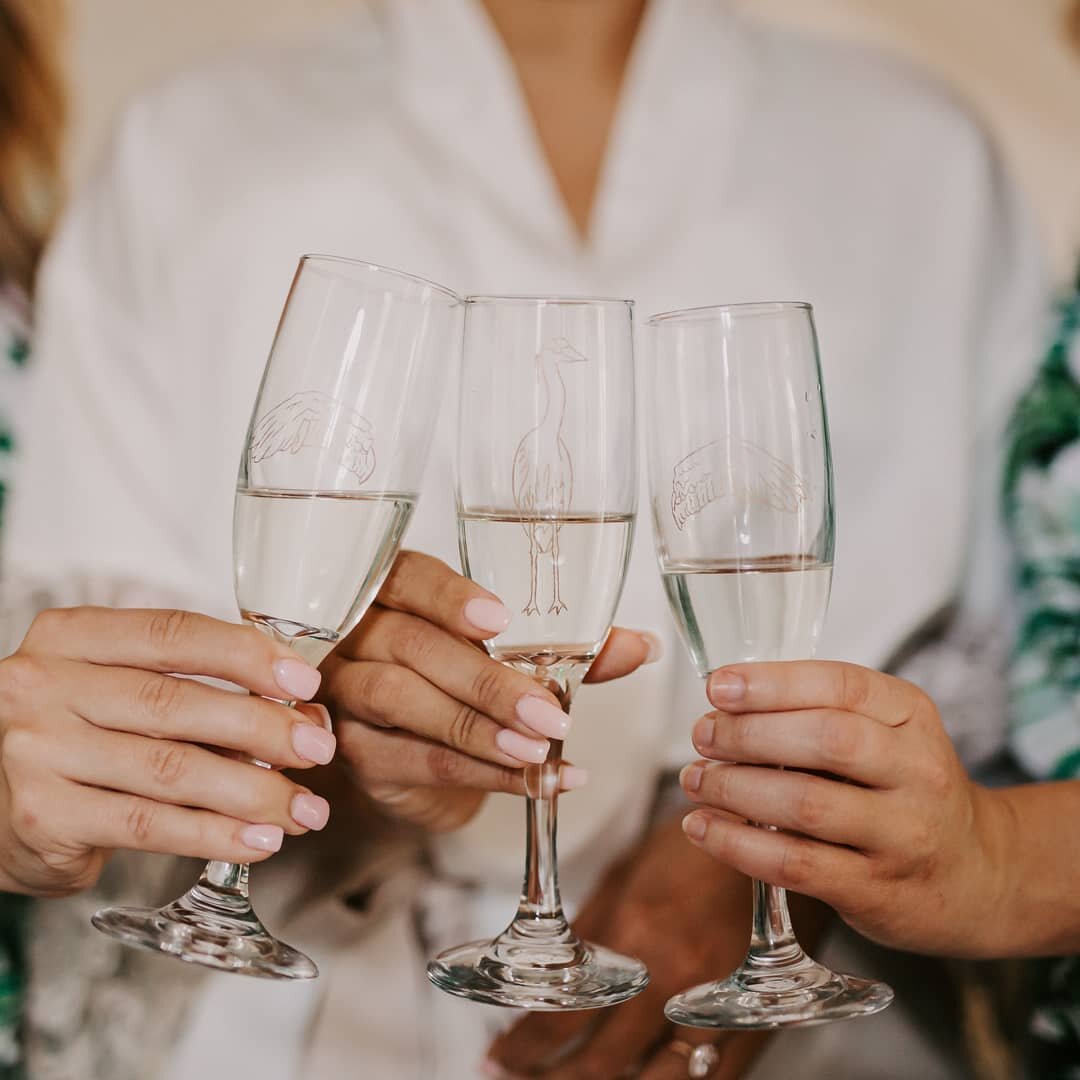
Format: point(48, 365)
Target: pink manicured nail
point(726, 687)
point(655, 645)
point(311, 811)
point(543, 717)
point(314, 743)
point(262, 837)
point(694, 826)
point(531, 751)
point(297, 679)
point(487, 615)
point(572, 777)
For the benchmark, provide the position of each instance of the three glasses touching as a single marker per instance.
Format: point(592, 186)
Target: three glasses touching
point(741, 502)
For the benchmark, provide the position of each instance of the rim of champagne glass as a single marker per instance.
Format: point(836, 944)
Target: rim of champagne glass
point(568, 301)
point(364, 264)
point(713, 311)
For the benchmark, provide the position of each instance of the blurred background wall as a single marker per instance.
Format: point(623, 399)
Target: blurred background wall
point(1010, 58)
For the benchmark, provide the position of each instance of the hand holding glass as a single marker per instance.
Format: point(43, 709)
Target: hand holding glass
point(328, 479)
point(740, 476)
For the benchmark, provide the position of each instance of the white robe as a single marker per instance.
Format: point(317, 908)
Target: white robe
point(746, 163)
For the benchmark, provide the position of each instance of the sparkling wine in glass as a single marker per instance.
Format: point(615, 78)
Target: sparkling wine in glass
point(546, 494)
point(336, 448)
point(741, 493)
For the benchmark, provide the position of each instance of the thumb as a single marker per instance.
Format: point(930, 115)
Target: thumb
point(624, 652)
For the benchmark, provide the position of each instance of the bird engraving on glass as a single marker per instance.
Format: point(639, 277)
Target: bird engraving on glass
point(311, 419)
point(712, 472)
point(543, 477)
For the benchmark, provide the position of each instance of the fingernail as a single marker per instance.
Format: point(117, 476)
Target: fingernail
point(262, 837)
point(311, 811)
point(694, 826)
point(319, 713)
point(690, 778)
point(655, 645)
point(542, 716)
point(488, 615)
point(494, 1070)
point(297, 679)
point(314, 743)
point(705, 733)
point(531, 751)
point(572, 777)
point(726, 686)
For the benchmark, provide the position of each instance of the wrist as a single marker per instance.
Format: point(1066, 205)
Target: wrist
point(993, 888)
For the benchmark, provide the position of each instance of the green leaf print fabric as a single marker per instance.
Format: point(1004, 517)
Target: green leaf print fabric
point(1042, 510)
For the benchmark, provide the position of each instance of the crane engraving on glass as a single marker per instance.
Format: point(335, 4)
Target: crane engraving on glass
point(712, 472)
point(314, 420)
point(543, 479)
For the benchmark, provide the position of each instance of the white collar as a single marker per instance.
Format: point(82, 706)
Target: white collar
point(687, 77)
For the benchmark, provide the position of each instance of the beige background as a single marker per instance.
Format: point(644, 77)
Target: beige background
point(1008, 57)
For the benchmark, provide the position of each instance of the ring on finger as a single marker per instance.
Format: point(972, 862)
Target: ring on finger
point(701, 1058)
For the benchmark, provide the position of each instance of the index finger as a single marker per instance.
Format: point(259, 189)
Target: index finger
point(174, 642)
point(422, 585)
point(814, 684)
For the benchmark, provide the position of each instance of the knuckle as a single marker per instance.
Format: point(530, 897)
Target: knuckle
point(22, 747)
point(446, 765)
point(168, 763)
point(377, 688)
point(27, 811)
point(158, 697)
point(855, 687)
point(138, 821)
point(167, 629)
point(464, 727)
point(740, 734)
point(22, 678)
point(841, 742)
point(796, 866)
point(49, 624)
point(810, 808)
point(413, 643)
point(487, 685)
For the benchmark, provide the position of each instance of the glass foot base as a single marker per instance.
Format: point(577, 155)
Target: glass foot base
point(574, 976)
point(757, 996)
point(208, 926)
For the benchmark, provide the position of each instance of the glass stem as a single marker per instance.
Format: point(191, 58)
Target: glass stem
point(540, 908)
point(226, 877)
point(772, 940)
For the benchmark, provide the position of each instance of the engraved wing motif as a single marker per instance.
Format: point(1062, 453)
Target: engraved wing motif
point(314, 420)
point(693, 484)
point(762, 477)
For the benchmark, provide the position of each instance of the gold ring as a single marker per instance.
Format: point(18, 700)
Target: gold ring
point(701, 1058)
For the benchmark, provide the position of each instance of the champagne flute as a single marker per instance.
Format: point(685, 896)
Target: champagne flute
point(740, 476)
point(546, 495)
point(328, 480)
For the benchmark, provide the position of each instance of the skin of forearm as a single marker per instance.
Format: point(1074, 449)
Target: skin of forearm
point(1037, 876)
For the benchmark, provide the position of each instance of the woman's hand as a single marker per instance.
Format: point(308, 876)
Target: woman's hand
point(879, 818)
point(100, 747)
point(428, 722)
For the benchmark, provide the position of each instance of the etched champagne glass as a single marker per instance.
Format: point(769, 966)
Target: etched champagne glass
point(741, 493)
point(546, 495)
point(329, 476)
